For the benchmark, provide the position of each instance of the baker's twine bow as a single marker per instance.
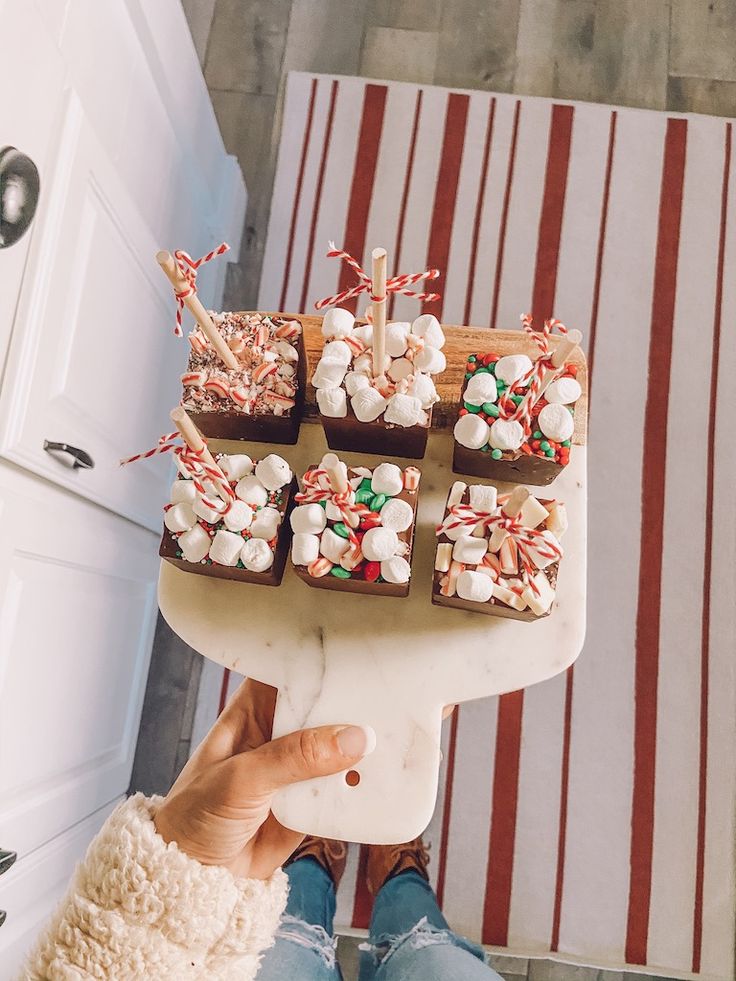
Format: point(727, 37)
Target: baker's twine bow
point(522, 412)
point(197, 468)
point(396, 284)
point(463, 516)
point(188, 268)
point(313, 493)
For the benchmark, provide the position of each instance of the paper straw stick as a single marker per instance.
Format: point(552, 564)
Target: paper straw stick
point(193, 438)
point(560, 355)
point(379, 310)
point(337, 474)
point(510, 509)
point(192, 302)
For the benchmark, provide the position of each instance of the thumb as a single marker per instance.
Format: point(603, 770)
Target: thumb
point(310, 753)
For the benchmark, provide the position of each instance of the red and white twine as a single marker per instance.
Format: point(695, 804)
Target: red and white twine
point(313, 493)
point(522, 412)
point(188, 268)
point(397, 284)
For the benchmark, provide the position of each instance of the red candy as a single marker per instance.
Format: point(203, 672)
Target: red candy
point(371, 571)
point(463, 412)
point(370, 520)
point(572, 369)
point(489, 358)
point(471, 366)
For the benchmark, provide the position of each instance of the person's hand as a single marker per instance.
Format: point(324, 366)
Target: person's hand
point(219, 809)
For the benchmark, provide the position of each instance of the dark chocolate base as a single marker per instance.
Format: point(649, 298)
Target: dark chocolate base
point(271, 577)
point(376, 437)
point(524, 469)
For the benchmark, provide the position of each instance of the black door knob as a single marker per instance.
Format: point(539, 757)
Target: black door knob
point(6, 860)
point(19, 189)
point(75, 457)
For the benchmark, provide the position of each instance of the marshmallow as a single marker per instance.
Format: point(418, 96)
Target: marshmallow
point(180, 517)
point(206, 513)
point(332, 402)
point(556, 422)
point(423, 388)
point(337, 351)
point(183, 491)
point(469, 550)
point(532, 512)
point(428, 327)
point(456, 493)
point(557, 520)
point(387, 479)
point(256, 555)
point(354, 381)
point(396, 338)
point(444, 557)
point(364, 363)
point(506, 434)
point(396, 569)
point(239, 516)
point(329, 374)
point(308, 519)
point(252, 491)
point(194, 544)
point(337, 323)
point(304, 548)
point(481, 388)
point(236, 466)
point(403, 410)
point(378, 544)
point(505, 595)
point(474, 586)
point(512, 367)
point(563, 390)
point(225, 548)
point(541, 603)
point(397, 515)
point(368, 404)
point(431, 360)
point(333, 546)
point(364, 334)
point(483, 497)
point(400, 368)
point(470, 431)
point(266, 523)
point(273, 472)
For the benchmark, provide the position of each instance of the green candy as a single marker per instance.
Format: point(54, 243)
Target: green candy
point(324, 504)
point(339, 573)
point(481, 370)
point(340, 529)
point(544, 445)
point(502, 386)
point(496, 454)
point(517, 399)
point(377, 503)
point(537, 434)
point(566, 442)
point(472, 358)
point(485, 449)
point(490, 409)
point(468, 374)
point(364, 496)
point(492, 366)
point(471, 408)
point(365, 484)
point(550, 452)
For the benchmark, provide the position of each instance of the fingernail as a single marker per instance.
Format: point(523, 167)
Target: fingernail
point(356, 740)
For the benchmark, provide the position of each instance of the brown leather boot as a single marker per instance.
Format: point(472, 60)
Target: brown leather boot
point(331, 855)
point(385, 861)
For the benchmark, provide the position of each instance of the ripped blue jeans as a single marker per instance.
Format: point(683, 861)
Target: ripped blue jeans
point(409, 938)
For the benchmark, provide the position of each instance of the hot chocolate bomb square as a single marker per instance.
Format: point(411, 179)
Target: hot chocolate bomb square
point(354, 527)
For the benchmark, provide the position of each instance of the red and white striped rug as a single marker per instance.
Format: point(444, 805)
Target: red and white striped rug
point(590, 817)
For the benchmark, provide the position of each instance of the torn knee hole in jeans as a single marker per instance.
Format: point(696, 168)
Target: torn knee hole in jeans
point(308, 935)
point(422, 934)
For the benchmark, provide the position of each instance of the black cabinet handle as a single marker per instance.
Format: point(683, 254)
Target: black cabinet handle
point(20, 186)
point(79, 458)
point(6, 860)
point(3, 915)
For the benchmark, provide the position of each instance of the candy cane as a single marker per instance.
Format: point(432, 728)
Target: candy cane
point(313, 493)
point(397, 284)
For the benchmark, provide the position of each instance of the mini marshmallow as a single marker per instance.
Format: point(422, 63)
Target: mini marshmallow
point(183, 492)
point(563, 390)
point(556, 422)
point(532, 512)
point(252, 491)
point(256, 555)
point(364, 363)
point(337, 323)
point(236, 466)
point(332, 402)
point(506, 434)
point(471, 432)
point(512, 367)
point(456, 493)
point(205, 512)
point(364, 334)
point(428, 327)
point(557, 520)
point(397, 515)
point(400, 368)
point(387, 479)
point(333, 546)
point(225, 548)
point(444, 557)
point(304, 548)
point(469, 550)
point(474, 586)
point(337, 351)
point(483, 497)
point(194, 544)
point(273, 472)
point(481, 388)
point(266, 523)
point(423, 388)
point(403, 410)
point(239, 516)
point(354, 381)
point(308, 519)
point(180, 517)
point(541, 602)
point(368, 404)
point(507, 596)
point(378, 544)
point(396, 338)
point(431, 360)
point(396, 569)
point(329, 374)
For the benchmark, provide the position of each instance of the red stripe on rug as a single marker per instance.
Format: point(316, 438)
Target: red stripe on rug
point(505, 216)
point(223, 691)
point(447, 809)
point(445, 196)
point(363, 901)
point(601, 248)
point(707, 570)
point(298, 193)
point(654, 461)
point(562, 826)
point(497, 903)
point(550, 220)
point(479, 211)
point(361, 190)
point(318, 193)
point(405, 196)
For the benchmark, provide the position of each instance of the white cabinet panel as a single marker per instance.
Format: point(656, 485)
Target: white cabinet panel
point(77, 612)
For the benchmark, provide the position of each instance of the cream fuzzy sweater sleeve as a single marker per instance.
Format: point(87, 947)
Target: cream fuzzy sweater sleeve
point(138, 908)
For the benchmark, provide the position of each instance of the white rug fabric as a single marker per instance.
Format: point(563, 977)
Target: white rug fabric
point(589, 818)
